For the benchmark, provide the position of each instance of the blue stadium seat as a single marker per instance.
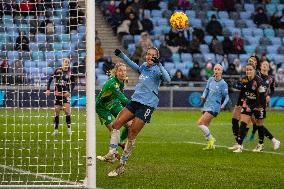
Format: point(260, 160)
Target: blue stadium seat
point(157, 43)
point(209, 56)
point(99, 71)
point(101, 79)
point(204, 48)
point(57, 46)
point(268, 32)
point(220, 38)
point(40, 38)
point(31, 70)
point(250, 48)
point(74, 37)
point(49, 55)
point(186, 57)
point(56, 20)
point(252, 40)
point(62, 13)
point(210, 13)
point(156, 13)
point(63, 54)
point(208, 39)
point(277, 58)
point(163, 5)
point(60, 29)
point(235, 30)
point(176, 57)
point(172, 72)
point(185, 71)
point(166, 29)
point(188, 64)
point(33, 46)
point(247, 31)
point(131, 48)
point(4, 37)
point(41, 64)
point(24, 28)
point(126, 39)
point(271, 8)
point(64, 37)
point(258, 32)
point(223, 14)
point(250, 24)
point(245, 15)
point(13, 55)
point(163, 22)
point(147, 12)
point(190, 14)
point(180, 66)
point(137, 38)
point(37, 55)
point(67, 46)
point(243, 58)
point(273, 49)
point(169, 66)
point(249, 7)
point(30, 63)
point(228, 23)
point(7, 19)
point(47, 70)
point(275, 40)
point(196, 22)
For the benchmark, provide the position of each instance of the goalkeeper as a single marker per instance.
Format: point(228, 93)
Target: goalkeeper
point(64, 84)
point(111, 100)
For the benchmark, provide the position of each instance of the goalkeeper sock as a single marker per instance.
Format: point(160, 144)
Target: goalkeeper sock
point(56, 122)
point(254, 129)
point(123, 135)
point(68, 121)
point(235, 128)
point(267, 133)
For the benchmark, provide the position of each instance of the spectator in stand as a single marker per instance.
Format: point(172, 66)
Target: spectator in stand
point(199, 33)
point(108, 65)
point(184, 4)
point(76, 16)
point(238, 44)
point(214, 27)
point(182, 43)
point(282, 20)
point(39, 7)
point(46, 27)
point(279, 77)
point(173, 5)
point(142, 47)
point(218, 4)
point(272, 68)
point(22, 42)
point(194, 73)
point(116, 19)
point(135, 26)
point(178, 79)
point(26, 8)
point(152, 4)
point(238, 65)
point(122, 6)
point(225, 63)
point(18, 69)
point(165, 53)
point(207, 72)
point(4, 70)
point(232, 70)
point(275, 21)
point(194, 45)
point(34, 25)
point(99, 51)
point(136, 6)
point(260, 18)
point(215, 46)
point(123, 29)
point(110, 8)
point(227, 45)
point(229, 5)
point(147, 24)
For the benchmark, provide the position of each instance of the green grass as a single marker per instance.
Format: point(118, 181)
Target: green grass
point(168, 153)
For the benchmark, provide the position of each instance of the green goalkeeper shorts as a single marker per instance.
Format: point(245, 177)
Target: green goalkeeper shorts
point(106, 116)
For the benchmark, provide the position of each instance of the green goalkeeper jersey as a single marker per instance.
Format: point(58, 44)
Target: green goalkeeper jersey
point(111, 94)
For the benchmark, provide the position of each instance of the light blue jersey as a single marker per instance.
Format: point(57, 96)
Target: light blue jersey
point(214, 92)
point(147, 88)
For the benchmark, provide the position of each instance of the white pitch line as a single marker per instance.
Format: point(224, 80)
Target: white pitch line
point(204, 144)
point(39, 175)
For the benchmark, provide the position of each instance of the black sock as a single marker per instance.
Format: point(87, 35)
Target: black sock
point(267, 133)
point(235, 128)
point(56, 122)
point(254, 129)
point(68, 121)
point(260, 134)
point(242, 133)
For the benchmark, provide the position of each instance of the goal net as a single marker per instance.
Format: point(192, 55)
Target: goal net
point(35, 37)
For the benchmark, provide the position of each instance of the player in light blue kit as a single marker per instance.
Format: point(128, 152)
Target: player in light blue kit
point(216, 89)
point(143, 103)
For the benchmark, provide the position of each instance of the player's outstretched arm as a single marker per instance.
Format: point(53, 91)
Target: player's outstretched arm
point(226, 95)
point(125, 58)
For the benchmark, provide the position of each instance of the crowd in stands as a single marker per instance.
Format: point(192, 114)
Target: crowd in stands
point(35, 35)
point(221, 31)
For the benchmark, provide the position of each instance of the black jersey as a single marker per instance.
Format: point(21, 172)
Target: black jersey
point(269, 84)
point(253, 92)
point(64, 81)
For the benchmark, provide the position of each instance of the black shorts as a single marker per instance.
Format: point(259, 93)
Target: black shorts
point(61, 100)
point(214, 114)
point(257, 114)
point(140, 110)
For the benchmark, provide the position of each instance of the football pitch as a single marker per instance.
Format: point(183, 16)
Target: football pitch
point(168, 153)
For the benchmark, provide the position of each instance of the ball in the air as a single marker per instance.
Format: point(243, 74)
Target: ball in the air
point(179, 20)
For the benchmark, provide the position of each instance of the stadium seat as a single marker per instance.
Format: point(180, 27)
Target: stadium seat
point(156, 13)
point(57, 46)
point(60, 29)
point(253, 40)
point(273, 49)
point(265, 41)
point(249, 48)
point(275, 40)
point(271, 8)
point(209, 56)
point(25, 55)
point(30, 63)
point(268, 32)
point(101, 79)
point(64, 38)
point(47, 70)
point(258, 32)
point(228, 23)
point(137, 38)
point(40, 38)
point(241, 24)
point(249, 7)
point(210, 13)
point(147, 12)
point(185, 57)
point(126, 39)
point(247, 32)
point(190, 14)
point(169, 66)
point(244, 58)
point(204, 48)
point(131, 48)
point(250, 24)
point(197, 57)
point(49, 55)
point(7, 19)
point(196, 22)
point(33, 46)
point(208, 39)
point(163, 22)
point(180, 66)
point(223, 14)
point(41, 64)
point(232, 57)
point(13, 55)
point(37, 55)
point(176, 58)
point(245, 15)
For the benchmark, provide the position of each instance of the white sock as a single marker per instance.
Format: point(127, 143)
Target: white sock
point(274, 140)
point(206, 131)
point(114, 139)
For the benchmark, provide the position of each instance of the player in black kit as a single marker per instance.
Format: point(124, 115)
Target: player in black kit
point(64, 84)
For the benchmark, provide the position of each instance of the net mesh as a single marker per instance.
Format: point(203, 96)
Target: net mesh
point(35, 36)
